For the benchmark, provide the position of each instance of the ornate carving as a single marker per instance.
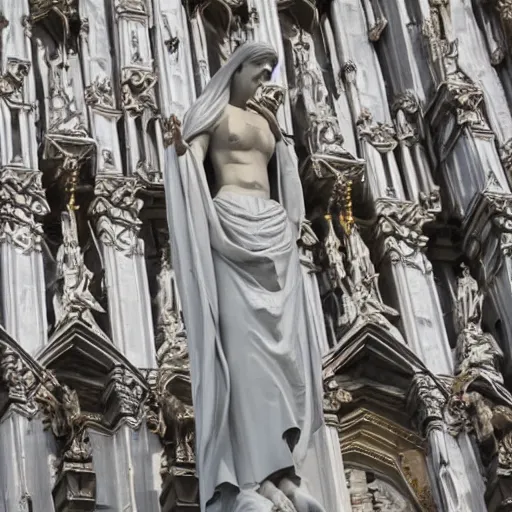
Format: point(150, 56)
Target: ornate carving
point(62, 414)
point(479, 401)
point(137, 91)
point(117, 208)
point(41, 8)
point(173, 386)
point(100, 94)
point(266, 101)
point(131, 6)
point(505, 152)
point(505, 9)
point(72, 297)
point(62, 114)
point(370, 440)
point(148, 174)
point(381, 136)
point(334, 257)
point(11, 82)
point(22, 202)
point(320, 129)
point(466, 98)
point(75, 487)
point(169, 126)
point(400, 227)
point(501, 209)
point(124, 396)
point(19, 380)
point(334, 398)
point(405, 108)
point(426, 402)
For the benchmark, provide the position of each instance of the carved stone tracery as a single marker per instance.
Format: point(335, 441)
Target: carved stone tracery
point(12, 81)
point(400, 229)
point(19, 381)
point(99, 94)
point(22, 205)
point(381, 136)
point(116, 208)
point(137, 91)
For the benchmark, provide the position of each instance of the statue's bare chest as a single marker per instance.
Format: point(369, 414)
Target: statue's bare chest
point(240, 130)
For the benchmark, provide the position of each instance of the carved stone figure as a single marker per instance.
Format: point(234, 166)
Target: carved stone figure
point(256, 372)
point(73, 297)
point(480, 403)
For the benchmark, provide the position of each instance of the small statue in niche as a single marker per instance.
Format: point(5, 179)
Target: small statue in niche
point(256, 370)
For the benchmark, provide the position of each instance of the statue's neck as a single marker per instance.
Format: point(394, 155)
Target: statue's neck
point(237, 100)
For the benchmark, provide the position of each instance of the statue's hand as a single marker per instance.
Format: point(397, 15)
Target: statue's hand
point(176, 136)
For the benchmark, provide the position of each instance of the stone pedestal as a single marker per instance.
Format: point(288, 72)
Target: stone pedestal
point(75, 489)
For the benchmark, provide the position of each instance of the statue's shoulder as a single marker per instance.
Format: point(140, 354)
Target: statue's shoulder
point(224, 116)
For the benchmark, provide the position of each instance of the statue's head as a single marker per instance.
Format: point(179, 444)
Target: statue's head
point(236, 81)
point(248, 77)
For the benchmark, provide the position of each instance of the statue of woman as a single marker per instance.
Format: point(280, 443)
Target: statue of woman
point(252, 312)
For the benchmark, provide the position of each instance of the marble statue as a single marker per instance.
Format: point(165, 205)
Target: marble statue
point(235, 208)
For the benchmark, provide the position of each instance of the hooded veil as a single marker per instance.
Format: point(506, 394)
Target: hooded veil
point(194, 226)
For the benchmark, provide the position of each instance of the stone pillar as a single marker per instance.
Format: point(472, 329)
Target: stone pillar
point(487, 242)
point(22, 200)
point(24, 448)
point(99, 95)
point(116, 209)
point(121, 173)
point(454, 472)
point(174, 417)
point(368, 100)
point(407, 278)
point(22, 203)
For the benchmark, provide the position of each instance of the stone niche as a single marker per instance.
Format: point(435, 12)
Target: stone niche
point(385, 464)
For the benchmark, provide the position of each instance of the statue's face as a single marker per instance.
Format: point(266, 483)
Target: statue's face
point(250, 75)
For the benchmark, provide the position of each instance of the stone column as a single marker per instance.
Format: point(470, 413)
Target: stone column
point(116, 209)
point(487, 242)
point(407, 278)
point(174, 417)
point(26, 452)
point(454, 472)
point(100, 97)
point(24, 447)
point(22, 200)
point(368, 100)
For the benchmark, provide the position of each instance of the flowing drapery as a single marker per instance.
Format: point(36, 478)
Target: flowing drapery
point(196, 232)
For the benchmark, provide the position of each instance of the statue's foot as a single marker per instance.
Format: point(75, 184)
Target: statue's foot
point(277, 497)
point(301, 500)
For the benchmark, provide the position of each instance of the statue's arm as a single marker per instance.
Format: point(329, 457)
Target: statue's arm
point(199, 146)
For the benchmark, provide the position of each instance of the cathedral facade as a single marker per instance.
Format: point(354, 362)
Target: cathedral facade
point(399, 114)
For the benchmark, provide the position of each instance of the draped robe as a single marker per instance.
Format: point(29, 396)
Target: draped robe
point(212, 256)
